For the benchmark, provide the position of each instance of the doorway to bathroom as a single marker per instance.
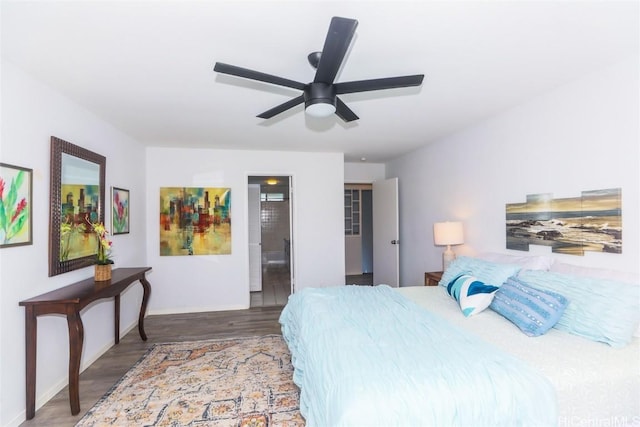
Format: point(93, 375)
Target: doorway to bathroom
point(270, 266)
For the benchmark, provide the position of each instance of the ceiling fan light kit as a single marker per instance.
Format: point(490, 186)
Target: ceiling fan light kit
point(319, 100)
point(320, 109)
point(319, 96)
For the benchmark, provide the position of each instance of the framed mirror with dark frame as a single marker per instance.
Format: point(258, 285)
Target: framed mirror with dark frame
point(77, 197)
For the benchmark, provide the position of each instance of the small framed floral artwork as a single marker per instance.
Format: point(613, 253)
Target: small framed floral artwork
point(119, 211)
point(15, 205)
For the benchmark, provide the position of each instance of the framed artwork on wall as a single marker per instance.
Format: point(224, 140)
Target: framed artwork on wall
point(195, 221)
point(572, 226)
point(77, 197)
point(119, 211)
point(16, 187)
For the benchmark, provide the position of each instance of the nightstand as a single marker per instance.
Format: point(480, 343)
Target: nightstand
point(432, 278)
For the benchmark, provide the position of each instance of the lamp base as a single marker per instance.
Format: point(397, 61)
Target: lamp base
point(447, 257)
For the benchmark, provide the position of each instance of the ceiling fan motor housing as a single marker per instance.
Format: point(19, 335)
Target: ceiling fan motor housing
point(316, 93)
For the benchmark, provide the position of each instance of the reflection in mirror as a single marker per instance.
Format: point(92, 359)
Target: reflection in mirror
point(80, 205)
point(77, 198)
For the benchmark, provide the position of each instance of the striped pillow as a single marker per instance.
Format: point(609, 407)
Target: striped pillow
point(472, 294)
point(532, 310)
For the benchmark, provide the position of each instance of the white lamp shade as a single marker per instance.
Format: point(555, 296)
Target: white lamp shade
point(448, 233)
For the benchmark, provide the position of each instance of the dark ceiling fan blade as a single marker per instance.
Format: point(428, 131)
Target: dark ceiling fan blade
point(341, 31)
point(345, 112)
point(282, 107)
point(378, 84)
point(256, 75)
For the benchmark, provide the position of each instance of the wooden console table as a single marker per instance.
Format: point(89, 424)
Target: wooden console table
point(69, 301)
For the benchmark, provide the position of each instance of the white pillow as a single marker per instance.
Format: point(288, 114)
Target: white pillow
point(599, 273)
point(527, 262)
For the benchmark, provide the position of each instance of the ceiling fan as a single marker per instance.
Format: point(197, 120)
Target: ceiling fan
point(320, 96)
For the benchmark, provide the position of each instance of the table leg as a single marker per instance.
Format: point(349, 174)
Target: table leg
point(31, 336)
point(146, 286)
point(117, 318)
point(76, 338)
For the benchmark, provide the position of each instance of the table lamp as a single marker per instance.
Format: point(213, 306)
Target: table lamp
point(447, 233)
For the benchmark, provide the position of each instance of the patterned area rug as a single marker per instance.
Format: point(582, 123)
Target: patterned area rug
point(240, 382)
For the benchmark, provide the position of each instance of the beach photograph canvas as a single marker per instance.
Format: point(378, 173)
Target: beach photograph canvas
point(591, 222)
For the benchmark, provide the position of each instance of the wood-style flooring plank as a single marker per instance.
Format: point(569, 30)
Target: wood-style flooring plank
point(98, 378)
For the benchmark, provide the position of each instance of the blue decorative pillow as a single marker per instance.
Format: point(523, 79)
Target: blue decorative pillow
point(488, 272)
point(472, 294)
point(532, 310)
point(599, 309)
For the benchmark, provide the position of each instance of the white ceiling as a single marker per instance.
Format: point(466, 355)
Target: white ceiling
point(147, 66)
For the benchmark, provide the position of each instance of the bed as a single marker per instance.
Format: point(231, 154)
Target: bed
point(409, 357)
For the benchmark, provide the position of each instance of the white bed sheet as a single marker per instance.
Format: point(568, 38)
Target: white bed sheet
point(597, 385)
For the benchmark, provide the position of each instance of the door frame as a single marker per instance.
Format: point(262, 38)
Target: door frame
point(292, 222)
point(371, 183)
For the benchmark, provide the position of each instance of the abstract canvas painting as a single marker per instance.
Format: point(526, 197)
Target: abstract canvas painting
point(592, 222)
point(195, 221)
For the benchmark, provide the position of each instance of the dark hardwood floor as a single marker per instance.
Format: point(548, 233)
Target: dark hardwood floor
point(96, 380)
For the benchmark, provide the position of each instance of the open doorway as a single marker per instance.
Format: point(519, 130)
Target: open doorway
point(269, 240)
point(358, 222)
point(372, 230)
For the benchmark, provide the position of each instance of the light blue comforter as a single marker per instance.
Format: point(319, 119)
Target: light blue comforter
point(367, 356)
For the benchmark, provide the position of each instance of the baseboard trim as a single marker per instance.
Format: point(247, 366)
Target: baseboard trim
point(183, 310)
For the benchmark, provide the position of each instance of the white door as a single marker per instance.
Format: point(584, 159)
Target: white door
point(386, 233)
point(255, 239)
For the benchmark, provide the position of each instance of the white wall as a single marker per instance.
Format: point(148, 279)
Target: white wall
point(32, 113)
point(221, 282)
point(582, 136)
point(363, 173)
